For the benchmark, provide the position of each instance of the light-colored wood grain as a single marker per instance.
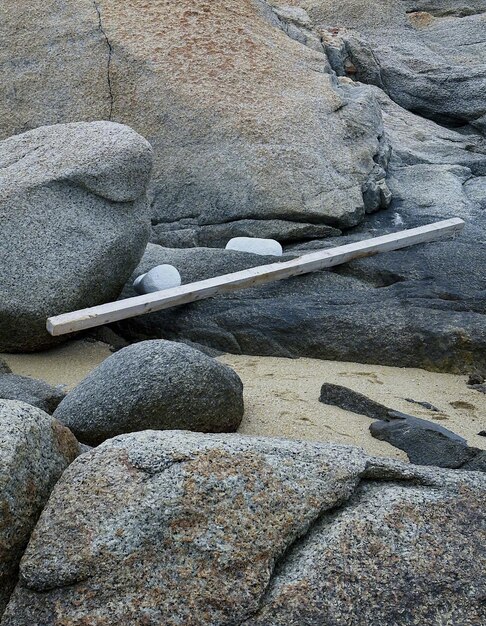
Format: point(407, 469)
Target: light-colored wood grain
point(148, 303)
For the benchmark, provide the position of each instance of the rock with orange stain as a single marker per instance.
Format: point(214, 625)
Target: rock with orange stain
point(247, 119)
point(34, 450)
point(215, 530)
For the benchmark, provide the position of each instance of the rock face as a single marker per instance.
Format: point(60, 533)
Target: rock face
point(418, 307)
point(177, 528)
point(428, 55)
point(154, 384)
point(74, 223)
point(246, 117)
point(34, 451)
point(31, 391)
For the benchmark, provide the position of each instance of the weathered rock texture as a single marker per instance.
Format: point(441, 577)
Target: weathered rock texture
point(34, 451)
point(154, 384)
point(247, 123)
point(423, 307)
point(428, 55)
point(177, 528)
point(35, 392)
point(74, 223)
point(4, 368)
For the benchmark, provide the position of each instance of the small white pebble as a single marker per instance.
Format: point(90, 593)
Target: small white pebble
point(158, 278)
point(266, 247)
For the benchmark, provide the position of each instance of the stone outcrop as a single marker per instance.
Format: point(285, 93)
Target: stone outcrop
point(247, 120)
point(177, 528)
point(429, 56)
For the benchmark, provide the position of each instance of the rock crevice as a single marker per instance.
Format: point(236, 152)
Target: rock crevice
point(108, 62)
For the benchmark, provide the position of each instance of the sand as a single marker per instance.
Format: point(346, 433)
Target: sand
point(282, 399)
point(281, 395)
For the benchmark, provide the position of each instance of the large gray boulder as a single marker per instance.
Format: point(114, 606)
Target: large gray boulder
point(34, 450)
point(177, 528)
point(154, 384)
point(74, 223)
point(247, 120)
point(31, 391)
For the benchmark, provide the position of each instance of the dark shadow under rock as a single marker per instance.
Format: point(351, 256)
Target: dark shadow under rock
point(4, 368)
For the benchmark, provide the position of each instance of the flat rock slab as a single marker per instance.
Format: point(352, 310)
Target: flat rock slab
point(178, 528)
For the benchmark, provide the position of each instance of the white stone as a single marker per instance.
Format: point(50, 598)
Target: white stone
point(266, 247)
point(158, 278)
point(137, 281)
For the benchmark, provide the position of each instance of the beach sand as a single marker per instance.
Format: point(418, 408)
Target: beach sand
point(282, 395)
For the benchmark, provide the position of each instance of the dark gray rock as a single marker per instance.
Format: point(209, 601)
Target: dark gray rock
point(178, 528)
point(4, 368)
point(429, 56)
point(34, 450)
point(35, 392)
point(480, 388)
point(424, 404)
point(349, 400)
point(74, 223)
point(153, 384)
point(424, 442)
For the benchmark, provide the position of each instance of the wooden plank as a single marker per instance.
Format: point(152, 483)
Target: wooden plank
point(149, 303)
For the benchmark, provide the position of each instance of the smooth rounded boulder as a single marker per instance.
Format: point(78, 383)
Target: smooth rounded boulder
point(34, 450)
point(156, 385)
point(74, 223)
point(178, 528)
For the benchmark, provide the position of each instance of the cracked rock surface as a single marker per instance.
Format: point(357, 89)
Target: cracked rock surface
point(34, 449)
point(178, 528)
point(247, 119)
